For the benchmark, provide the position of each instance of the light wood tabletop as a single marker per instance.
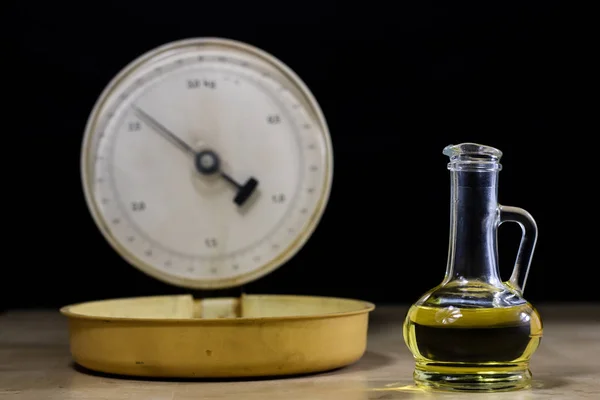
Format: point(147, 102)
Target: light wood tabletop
point(35, 364)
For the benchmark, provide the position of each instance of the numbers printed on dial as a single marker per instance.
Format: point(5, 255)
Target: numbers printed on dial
point(138, 206)
point(273, 119)
point(211, 242)
point(278, 198)
point(198, 83)
point(134, 126)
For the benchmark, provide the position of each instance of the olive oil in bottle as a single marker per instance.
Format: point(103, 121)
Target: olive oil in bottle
point(461, 342)
point(475, 331)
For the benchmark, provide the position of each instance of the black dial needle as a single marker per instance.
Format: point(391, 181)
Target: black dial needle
point(207, 162)
point(164, 131)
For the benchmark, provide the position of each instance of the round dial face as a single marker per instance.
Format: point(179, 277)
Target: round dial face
point(206, 163)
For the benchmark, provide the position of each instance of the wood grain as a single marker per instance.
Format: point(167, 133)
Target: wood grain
point(35, 365)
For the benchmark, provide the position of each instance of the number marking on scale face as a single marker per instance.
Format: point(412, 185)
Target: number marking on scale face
point(207, 168)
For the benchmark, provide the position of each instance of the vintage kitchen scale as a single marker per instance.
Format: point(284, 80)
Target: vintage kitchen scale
point(207, 163)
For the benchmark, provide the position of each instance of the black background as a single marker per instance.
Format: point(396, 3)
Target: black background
point(397, 83)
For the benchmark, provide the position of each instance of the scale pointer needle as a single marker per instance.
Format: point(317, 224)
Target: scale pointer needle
point(207, 162)
point(164, 131)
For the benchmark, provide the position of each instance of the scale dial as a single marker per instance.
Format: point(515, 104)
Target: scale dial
point(206, 163)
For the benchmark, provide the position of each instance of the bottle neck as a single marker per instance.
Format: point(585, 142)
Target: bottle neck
point(473, 226)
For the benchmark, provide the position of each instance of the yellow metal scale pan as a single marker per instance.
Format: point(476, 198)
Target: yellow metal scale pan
point(255, 335)
point(207, 164)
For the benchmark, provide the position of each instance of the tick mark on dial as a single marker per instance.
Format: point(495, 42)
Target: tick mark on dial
point(304, 211)
point(275, 246)
point(130, 238)
point(105, 201)
point(222, 59)
point(310, 190)
point(235, 266)
point(213, 270)
point(313, 168)
point(168, 264)
point(116, 221)
point(200, 58)
point(190, 269)
point(256, 258)
point(180, 61)
point(306, 126)
point(291, 230)
point(312, 146)
point(148, 252)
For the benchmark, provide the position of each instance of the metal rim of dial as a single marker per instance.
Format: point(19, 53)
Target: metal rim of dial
point(156, 59)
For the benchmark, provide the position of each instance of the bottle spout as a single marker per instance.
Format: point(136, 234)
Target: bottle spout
point(473, 156)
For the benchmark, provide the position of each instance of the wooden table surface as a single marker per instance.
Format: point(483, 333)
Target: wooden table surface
point(35, 365)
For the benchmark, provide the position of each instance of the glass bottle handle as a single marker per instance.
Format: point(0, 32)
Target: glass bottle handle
point(518, 279)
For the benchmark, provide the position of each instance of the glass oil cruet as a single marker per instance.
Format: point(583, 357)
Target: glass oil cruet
point(473, 331)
